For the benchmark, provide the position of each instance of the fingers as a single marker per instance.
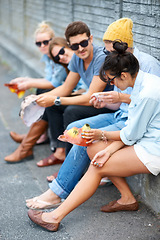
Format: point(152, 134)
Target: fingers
point(95, 164)
point(89, 141)
point(88, 136)
point(96, 101)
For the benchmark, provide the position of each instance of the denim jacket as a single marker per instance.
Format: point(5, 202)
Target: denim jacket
point(143, 125)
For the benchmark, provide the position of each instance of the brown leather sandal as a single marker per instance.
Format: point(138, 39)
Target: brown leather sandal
point(48, 161)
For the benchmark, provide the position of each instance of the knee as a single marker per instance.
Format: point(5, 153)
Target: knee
point(95, 171)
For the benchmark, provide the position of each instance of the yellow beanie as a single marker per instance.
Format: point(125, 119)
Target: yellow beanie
point(120, 29)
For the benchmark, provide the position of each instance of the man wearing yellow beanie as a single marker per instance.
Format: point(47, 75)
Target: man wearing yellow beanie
point(122, 30)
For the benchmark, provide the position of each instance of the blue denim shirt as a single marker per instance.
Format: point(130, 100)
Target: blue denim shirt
point(143, 125)
point(56, 73)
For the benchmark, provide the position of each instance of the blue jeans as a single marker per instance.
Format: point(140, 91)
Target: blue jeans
point(77, 160)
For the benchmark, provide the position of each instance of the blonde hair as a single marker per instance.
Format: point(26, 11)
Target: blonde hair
point(44, 27)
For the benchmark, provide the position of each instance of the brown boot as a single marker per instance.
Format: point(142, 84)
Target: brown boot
point(17, 137)
point(25, 148)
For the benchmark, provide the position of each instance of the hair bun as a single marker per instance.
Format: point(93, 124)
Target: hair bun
point(120, 46)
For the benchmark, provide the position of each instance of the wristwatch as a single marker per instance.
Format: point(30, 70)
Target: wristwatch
point(57, 101)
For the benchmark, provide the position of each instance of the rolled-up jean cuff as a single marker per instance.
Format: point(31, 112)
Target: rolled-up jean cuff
point(56, 188)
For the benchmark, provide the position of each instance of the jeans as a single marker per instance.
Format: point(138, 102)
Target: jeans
point(77, 160)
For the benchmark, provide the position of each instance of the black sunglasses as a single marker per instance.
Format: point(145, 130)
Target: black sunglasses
point(83, 43)
point(109, 80)
point(61, 52)
point(45, 43)
point(106, 51)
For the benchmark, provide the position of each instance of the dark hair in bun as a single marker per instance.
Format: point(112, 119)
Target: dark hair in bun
point(120, 46)
point(119, 60)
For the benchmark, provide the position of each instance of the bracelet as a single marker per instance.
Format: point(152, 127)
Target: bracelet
point(103, 137)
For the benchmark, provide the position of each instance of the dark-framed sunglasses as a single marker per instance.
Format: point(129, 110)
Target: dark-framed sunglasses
point(61, 52)
point(106, 51)
point(45, 43)
point(109, 80)
point(83, 43)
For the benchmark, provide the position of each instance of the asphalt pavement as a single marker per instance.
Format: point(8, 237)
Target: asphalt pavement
point(25, 180)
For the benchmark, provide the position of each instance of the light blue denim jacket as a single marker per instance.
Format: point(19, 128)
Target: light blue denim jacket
point(151, 65)
point(143, 125)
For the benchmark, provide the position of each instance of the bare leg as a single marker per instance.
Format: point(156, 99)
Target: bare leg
point(60, 153)
point(127, 196)
point(118, 165)
point(75, 199)
point(42, 138)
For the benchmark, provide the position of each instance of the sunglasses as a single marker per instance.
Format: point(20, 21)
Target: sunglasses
point(83, 43)
point(106, 51)
point(57, 58)
point(109, 80)
point(45, 43)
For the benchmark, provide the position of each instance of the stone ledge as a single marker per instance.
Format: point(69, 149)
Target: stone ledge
point(147, 186)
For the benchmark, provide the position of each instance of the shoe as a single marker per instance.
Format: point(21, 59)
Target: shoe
point(52, 177)
point(114, 206)
point(17, 137)
point(47, 205)
point(25, 148)
point(105, 182)
point(19, 154)
point(51, 160)
point(36, 217)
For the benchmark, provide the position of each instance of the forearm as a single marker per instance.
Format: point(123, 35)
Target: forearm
point(76, 100)
point(114, 147)
point(124, 97)
point(60, 91)
point(48, 99)
point(114, 135)
point(113, 106)
point(40, 83)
